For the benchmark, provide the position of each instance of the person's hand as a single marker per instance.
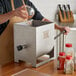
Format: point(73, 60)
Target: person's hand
point(21, 12)
point(66, 29)
point(44, 19)
point(62, 28)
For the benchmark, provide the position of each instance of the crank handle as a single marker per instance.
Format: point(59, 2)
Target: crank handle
point(60, 34)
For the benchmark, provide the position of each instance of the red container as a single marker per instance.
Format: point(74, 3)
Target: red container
point(61, 60)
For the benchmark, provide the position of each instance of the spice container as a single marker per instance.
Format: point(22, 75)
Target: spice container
point(69, 65)
point(61, 60)
point(69, 50)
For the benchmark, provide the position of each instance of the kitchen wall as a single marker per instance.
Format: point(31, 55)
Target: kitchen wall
point(48, 8)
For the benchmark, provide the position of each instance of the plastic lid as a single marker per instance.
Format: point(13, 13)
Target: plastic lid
point(68, 45)
point(68, 57)
point(61, 53)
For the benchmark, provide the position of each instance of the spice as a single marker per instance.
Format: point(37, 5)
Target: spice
point(61, 60)
point(69, 65)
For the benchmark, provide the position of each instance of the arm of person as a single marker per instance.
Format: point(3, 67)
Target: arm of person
point(20, 12)
point(61, 28)
point(56, 26)
point(5, 17)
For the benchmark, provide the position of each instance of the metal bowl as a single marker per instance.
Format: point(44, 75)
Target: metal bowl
point(31, 11)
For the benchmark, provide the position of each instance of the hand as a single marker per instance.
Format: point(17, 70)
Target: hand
point(67, 29)
point(62, 28)
point(21, 12)
point(44, 19)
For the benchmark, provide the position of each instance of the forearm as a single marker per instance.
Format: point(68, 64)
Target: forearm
point(6, 17)
point(61, 28)
point(57, 27)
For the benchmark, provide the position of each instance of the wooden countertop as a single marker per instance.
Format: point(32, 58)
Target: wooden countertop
point(48, 68)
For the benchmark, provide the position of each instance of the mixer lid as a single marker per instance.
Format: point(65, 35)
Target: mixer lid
point(36, 23)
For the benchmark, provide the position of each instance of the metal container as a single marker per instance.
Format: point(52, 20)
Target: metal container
point(38, 36)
